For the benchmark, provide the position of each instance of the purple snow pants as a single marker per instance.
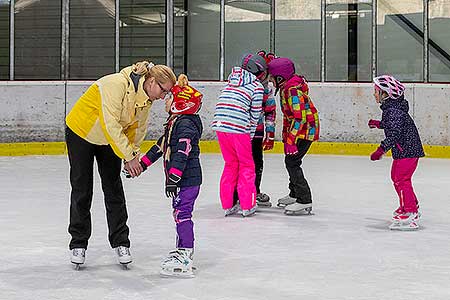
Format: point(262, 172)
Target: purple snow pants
point(183, 205)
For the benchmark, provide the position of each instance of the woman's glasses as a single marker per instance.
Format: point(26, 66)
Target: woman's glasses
point(163, 90)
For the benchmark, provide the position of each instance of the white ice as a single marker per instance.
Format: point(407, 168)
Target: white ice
point(343, 251)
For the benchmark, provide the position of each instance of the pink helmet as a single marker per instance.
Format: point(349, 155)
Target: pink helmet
point(390, 85)
point(281, 68)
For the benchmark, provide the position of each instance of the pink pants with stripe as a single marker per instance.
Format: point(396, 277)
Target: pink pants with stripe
point(401, 173)
point(239, 170)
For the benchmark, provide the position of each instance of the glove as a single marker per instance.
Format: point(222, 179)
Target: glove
point(374, 124)
point(268, 141)
point(377, 154)
point(171, 185)
point(290, 149)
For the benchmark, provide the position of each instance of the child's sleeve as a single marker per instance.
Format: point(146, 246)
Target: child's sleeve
point(186, 132)
point(297, 101)
point(270, 111)
point(255, 108)
point(153, 154)
point(393, 121)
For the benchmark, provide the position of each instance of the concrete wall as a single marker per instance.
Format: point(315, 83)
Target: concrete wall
point(35, 111)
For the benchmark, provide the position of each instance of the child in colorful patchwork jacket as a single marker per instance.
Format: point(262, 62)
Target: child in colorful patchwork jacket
point(402, 137)
point(180, 148)
point(235, 119)
point(300, 129)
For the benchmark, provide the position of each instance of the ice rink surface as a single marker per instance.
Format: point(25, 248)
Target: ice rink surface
point(344, 251)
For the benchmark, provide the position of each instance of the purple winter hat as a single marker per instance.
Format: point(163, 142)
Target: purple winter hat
point(281, 68)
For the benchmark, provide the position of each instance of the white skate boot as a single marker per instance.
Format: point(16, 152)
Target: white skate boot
point(298, 209)
point(249, 212)
point(263, 200)
point(77, 257)
point(178, 263)
point(286, 200)
point(405, 221)
point(123, 255)
point(234, 210)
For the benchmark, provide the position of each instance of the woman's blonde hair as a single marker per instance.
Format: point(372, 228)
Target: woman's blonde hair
point(161, 73)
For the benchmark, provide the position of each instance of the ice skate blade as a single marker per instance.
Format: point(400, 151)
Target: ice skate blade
point(306, 212)
point(125, 266)
point(76, 266)
point(177, 274)
point(266, 204)
point(403, 228)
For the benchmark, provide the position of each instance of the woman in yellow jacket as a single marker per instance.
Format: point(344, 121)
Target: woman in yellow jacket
point(108, 123)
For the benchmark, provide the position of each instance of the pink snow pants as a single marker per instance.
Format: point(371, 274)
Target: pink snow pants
point(239, 169)
point(401, 173)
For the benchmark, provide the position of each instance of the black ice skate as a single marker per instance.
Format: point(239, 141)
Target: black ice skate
point(263, 200)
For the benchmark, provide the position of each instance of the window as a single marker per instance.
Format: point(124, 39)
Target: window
point(91, 38)
point(348, 40)
point(142, 31)
point(297, 35)
point(247, 29)
point(439, 41)
point(4, 39)
point(37, 45)
point(203, 32)
point(400, 39)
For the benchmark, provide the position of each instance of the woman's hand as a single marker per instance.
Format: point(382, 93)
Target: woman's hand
point(133, 167)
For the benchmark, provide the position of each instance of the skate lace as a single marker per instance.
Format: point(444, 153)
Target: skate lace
point(123, 251)
point(78, 252)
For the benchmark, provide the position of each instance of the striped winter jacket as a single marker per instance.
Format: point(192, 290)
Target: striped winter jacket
point(239, 106)
point(300, 117)
point(266, 121)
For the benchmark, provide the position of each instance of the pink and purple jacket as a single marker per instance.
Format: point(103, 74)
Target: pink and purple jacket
point(239, 106)
point(266, 122)
point(300, 116)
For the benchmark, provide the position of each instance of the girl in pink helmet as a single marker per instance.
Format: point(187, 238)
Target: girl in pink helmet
point(300, 129)
point(402, 137)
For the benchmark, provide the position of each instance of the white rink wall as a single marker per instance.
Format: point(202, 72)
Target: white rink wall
point(34, 111)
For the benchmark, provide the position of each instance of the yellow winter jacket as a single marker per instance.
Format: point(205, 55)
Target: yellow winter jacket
point(114, 110)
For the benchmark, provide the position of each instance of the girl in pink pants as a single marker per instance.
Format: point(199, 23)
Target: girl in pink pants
point(402, 137)
point(239, 170)
point(237, 113)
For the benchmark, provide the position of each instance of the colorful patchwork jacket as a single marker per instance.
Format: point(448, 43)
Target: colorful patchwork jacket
point(266, 122)
point(300, 117)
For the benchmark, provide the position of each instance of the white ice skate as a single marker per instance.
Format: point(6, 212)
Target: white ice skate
point(405, 222)
point(286, 200)
point(178, 263)
point(123, 256)
point(77, 257)
point(234, 210)
point(263, 200)
point(249, 212)
point(298, 209)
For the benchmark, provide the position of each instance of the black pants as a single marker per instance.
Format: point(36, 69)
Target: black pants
point(298, 185)
point(81, 159)
point(257, 153)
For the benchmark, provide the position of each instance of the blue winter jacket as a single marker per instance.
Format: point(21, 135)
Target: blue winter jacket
point(401, 133)
point(181, 152)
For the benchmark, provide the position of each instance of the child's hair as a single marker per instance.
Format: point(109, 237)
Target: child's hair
point(161, 73)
